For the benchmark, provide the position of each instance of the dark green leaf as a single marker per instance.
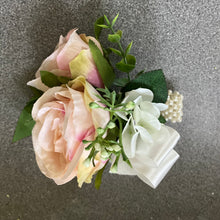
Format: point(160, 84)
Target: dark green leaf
point(98, 29)
point(49, 79)
point(112, 134)
point(115, 19)
point(105, 70)
point(98, 179)
point(37, 93)
point(128, 48)
point(106, 19)
point(154, 80)
point(121, 82)
point(114, 38)
point(141, 72)
point(25, 122)
point(162, 119)
point(63, 79)
point(117, 52)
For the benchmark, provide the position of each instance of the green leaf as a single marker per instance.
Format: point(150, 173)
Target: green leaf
point(154, 80)
point(119, 32)
point(126, 67)
point(25, 122)
point(162, 119)
point(98, 179)
point(98, 29)
point(115, 19)
point(105, 70)
point(141, 72)
point(114, 38)
point(49, 79)
point(63, 79)
point(103, 26)
point(37, 93)
point(131, 59)
point(128, 48)
point(117, 52)
point(121, 82)
point(103, 101)
point(112, 134)
point(106, 19)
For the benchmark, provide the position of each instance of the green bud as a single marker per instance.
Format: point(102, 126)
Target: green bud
point(97, 147)
point(105, 154)
point(86, 162)
point(94, 105)
point(109, 148)
point(116, 148)
point(130, 105)
point(111, 125)
point(114, 168)
point(100, 131)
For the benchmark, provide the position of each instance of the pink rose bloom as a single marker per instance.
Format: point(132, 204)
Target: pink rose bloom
point(63, 119)
point(72, 57)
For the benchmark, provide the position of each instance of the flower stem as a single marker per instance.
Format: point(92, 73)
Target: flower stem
point(125, 158)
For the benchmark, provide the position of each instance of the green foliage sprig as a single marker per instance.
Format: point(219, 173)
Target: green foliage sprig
point(108, 141)
point(128, 61)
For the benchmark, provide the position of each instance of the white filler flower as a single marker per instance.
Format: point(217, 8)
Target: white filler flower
point(147, 143)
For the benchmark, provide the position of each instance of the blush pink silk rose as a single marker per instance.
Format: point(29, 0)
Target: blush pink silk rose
point(63, 119)
point(71, 58)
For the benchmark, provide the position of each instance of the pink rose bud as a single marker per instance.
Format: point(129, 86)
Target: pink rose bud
point(72, 57)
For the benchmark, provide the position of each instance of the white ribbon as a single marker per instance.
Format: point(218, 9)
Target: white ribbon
point(147, 143)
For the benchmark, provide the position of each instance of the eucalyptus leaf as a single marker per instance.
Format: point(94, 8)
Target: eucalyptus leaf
point(128, 48)
point(103, 26)
point(25, 122)
point(98, 29)
point(114, 38)
point(115, 19)
point(115, 51)
point(124, 67)
point(119, 32)
point(106, 19)
point(105, 70)
point(153, 80)
point(131, 59)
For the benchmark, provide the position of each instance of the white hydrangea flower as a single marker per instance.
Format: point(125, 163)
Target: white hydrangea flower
point(147, 143)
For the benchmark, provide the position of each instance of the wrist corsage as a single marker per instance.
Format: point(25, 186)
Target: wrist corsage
point(82, 117)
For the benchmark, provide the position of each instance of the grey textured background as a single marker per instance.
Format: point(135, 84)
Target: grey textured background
point(182, 38)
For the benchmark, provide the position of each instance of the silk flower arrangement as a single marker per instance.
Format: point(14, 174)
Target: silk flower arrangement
point(79, 123)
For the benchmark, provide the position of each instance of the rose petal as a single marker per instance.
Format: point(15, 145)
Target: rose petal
point(71, 49)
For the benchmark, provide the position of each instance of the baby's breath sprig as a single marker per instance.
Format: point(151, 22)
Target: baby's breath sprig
point(108, 140)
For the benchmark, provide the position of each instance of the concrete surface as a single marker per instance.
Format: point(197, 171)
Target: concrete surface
point(182, 38)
